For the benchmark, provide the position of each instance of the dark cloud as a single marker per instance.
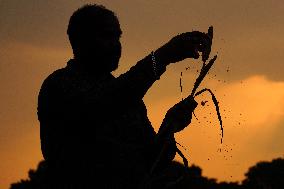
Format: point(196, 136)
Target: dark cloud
point(41, 23)
point(248, 34)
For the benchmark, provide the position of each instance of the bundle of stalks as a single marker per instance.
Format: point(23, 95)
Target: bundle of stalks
point(204, 71)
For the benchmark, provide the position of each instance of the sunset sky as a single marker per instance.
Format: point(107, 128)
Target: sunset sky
point(247, 77)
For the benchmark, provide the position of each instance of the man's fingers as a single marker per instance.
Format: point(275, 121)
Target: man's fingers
point(190, 103)
point(188, 45)
point(202, 41)
point(195, 42)
point(205, 43)
point(186, 107)
point(182, 114)
point(195, 54)
point(200, 37)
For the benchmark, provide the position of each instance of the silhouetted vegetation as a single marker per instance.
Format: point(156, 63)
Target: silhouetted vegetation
point(36, 178)
point(260, 176)
point(266, 175)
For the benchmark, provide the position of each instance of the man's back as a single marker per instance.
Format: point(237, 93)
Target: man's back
point(84, 131)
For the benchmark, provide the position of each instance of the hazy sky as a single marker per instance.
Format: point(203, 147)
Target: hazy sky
point(249, 81)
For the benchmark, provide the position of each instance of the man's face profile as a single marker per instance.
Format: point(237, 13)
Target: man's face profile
point(94, 33)
point(105, 44)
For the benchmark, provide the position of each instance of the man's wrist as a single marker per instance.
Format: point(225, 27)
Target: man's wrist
point(161, 57)
point(158, 65)
point(164, 131)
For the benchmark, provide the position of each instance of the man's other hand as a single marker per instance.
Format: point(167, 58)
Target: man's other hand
point(178, 117)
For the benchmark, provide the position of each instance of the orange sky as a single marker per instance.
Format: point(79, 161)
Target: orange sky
point(249, 41)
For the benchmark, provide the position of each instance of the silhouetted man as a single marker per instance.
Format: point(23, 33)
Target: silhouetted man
point(94, 127)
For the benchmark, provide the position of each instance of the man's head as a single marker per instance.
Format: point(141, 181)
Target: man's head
point(94, 33)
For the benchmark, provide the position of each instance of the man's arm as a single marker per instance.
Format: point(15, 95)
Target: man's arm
point(130, 86)
point(135, 83)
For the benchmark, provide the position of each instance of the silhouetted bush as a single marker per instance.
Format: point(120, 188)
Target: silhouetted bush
point(263, 175)
point(192, 178)
point(266, 175)
point(36, 178)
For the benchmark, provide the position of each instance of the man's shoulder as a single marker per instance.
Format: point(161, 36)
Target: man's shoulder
point(56, 76)
point(53, 82)
point(67, 80)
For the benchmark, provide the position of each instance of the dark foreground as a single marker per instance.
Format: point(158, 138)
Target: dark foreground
point(263, 175)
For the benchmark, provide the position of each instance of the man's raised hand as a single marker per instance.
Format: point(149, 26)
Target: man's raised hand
point(185, 45)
